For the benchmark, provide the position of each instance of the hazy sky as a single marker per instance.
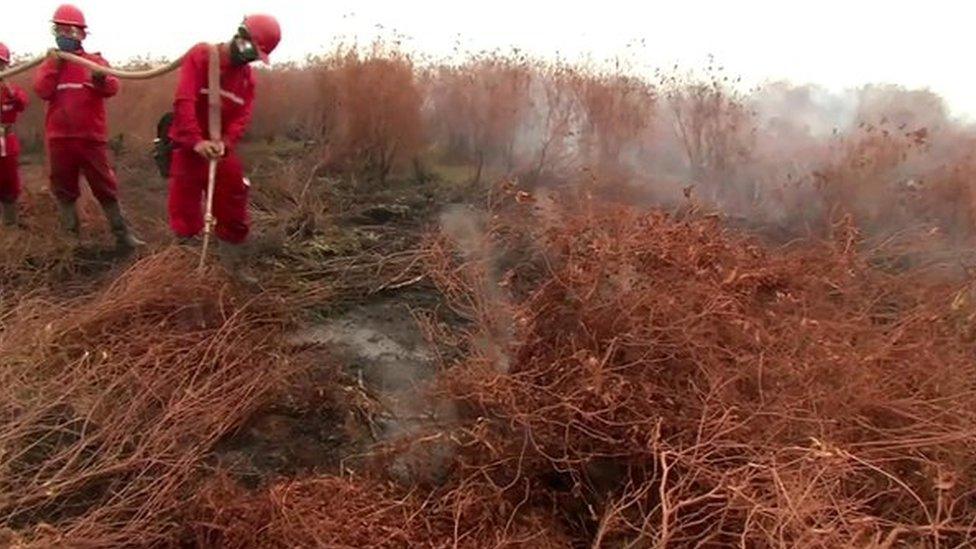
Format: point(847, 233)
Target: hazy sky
point(834, 43)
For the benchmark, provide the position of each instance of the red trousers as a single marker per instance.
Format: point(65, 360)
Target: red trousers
point(9, 173)
point(188, 190)
point(9, 179)
point(70, 158)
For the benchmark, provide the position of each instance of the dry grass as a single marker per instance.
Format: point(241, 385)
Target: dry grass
point(112, 402)
point(673, 384)
point(633, 376)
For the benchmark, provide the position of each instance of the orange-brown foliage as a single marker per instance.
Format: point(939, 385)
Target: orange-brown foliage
point(111, 404)
point(671, 383)
point(476, 109)
point(374, 111)
point(358, 512)
point(716, 129)
point(617, 111)
point(637, 377)
point(379, 124)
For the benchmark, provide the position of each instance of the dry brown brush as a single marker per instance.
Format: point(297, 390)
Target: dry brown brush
point(672, 383)
point(358, 512)
point(110, 404)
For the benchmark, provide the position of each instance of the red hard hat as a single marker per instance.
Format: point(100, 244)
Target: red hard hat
point(265, 33)
point(4, 53)
point(66, 14)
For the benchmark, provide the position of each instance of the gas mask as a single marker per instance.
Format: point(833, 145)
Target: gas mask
point(67, 37)
point(242, 49)
point(68, 44)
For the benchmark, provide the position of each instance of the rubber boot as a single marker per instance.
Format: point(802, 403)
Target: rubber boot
point(9, 214)
point(124, 239)
point(69, 218)
point(234, 259)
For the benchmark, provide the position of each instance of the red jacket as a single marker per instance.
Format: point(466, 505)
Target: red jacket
point(76, 103)
point(13, 101)
point(191, 110)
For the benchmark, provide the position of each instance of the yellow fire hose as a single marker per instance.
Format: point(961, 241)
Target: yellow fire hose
point(23, 67)
point(128, 75)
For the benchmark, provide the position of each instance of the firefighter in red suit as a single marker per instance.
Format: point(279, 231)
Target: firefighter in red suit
point(76, 128)
point(13, 101)
point(256, 38)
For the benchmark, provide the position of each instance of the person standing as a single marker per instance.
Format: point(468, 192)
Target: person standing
point(76, 128)
point(13, 101)
point(255, 39)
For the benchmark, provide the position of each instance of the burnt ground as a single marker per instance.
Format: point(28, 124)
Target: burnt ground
point(365, 385)
point(367, 361)
point(363, 357)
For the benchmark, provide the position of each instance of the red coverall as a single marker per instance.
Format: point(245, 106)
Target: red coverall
point(76, 127)
point(188, 172)
point(13, 101)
